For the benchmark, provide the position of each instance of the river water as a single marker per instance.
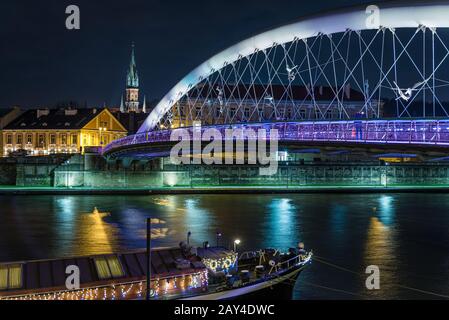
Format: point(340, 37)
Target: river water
point(405, 235)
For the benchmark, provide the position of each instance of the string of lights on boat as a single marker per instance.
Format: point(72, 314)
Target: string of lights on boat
point(131, 290)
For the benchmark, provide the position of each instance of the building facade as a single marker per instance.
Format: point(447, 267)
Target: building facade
point(60, 131)
point(257, 103)
point(6, 117)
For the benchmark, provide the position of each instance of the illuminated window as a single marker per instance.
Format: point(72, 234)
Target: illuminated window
point(109, 267)
point(10, 276)
point(63, 139)
point(29, 139)
point(52, 139)
point(41, 140)
point(74, 139)
point(9, 139)
point(19, 138)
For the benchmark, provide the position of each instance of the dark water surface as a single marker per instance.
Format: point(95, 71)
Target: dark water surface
point(406, 235)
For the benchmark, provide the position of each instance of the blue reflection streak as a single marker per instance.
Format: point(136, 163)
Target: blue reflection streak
point(197, 220)
point(387, 211)
point(66, 219)
point(281, 229)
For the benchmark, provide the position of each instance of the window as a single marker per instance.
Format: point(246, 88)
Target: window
point(247, 113)
point(52, 139)
point(9, 139)
point(41, 140)
point(10, 276)
point(19, 139)
point(74, 139)
point(232, 113)
point(63, 139)
point(30, 139)
point(109, 267)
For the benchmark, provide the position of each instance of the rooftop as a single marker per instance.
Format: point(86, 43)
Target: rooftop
point(5, 111)
point(95, 270)
point(54, 119)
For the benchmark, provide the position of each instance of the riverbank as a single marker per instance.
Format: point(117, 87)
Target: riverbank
point(8, 190)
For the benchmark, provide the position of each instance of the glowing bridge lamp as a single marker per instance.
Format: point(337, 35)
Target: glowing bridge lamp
point(236, 243)
point(219, 235)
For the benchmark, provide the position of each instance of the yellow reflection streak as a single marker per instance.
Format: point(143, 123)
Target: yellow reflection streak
point(379, 251)
point(94, 235)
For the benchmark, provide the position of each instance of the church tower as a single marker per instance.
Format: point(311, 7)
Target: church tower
point(132, 86)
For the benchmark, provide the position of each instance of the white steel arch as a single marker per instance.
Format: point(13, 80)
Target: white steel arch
point(401, 15)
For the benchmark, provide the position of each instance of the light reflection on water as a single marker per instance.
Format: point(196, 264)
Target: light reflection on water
point(406, 235)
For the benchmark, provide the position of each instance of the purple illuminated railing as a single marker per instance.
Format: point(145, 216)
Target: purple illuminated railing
point(416, 132)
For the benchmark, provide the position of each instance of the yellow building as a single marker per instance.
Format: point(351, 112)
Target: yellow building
point(7, 115)
point(56, 131)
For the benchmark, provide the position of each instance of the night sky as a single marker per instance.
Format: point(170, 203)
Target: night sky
point(43, 64)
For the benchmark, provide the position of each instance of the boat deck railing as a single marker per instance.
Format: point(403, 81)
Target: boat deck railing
point(281, 266)
point(291, 263)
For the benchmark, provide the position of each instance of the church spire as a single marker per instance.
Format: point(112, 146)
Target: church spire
point(133, 77)
point(132, 86)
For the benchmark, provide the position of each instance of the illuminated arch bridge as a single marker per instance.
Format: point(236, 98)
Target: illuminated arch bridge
point(356, 76)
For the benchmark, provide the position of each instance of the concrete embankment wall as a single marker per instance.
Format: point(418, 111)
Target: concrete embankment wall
point(7, 172)
point(357, 175)
point(94, 172)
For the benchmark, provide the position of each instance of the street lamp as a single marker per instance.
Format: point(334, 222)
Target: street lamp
point(101, 129)
point(188, 237)
point(219, 235)
point(236, 243)
point(149, 227)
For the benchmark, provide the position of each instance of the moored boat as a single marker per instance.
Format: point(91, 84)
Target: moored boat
point(176, 273)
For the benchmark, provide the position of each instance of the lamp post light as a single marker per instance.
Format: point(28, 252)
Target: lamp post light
point(102, 129)
point(219, 235)
point(188, 237)
point(149, 226)
point(236, 243)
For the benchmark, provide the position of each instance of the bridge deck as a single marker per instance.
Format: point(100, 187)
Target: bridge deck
point(410, 132)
